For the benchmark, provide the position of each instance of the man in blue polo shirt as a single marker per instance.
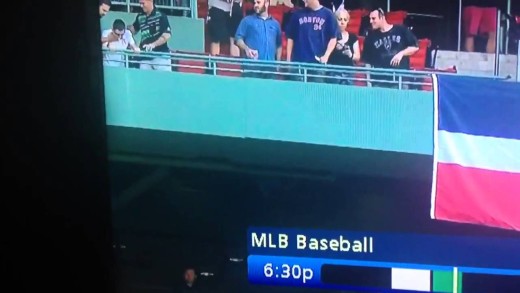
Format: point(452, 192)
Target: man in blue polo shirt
point(260, 36)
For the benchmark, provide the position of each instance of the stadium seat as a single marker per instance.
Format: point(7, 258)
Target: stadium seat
point(278, 11)
point(360, 75)
point(190, 66)
point(418, 60)
point(284, 47)
point(396, 17)
point(229, 68)
point(202, 9)
point(356, 18)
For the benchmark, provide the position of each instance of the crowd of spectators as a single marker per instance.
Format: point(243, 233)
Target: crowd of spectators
point(309, 31)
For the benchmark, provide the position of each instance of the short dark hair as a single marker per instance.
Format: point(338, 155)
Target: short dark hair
point(106, 2)
point(119, 25)
point(380, 12)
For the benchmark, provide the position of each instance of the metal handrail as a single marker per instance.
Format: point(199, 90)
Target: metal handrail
point(162, 4)
point(305, 72)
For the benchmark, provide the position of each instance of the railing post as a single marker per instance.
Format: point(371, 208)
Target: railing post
point(459, 27)
point(518, 63)
point(305, 75)
point(497, 45)
point(508, 26)
point(400, 82)
point(128, 6)
point(194, 9)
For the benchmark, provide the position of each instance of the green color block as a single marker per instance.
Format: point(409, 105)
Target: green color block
point(443, 281)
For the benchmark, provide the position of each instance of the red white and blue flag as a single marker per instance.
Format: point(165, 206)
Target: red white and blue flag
point(476, 174)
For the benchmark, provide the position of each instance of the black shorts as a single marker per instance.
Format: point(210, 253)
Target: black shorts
point(222, 26)
point(236, 18)
point(218, 25)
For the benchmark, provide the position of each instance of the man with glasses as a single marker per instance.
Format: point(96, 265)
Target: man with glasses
point(120, 40)
point(155, 31)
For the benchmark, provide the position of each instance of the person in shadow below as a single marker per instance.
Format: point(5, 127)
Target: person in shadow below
point(190, 284)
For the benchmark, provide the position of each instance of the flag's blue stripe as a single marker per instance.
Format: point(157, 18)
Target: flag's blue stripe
point(479, 106)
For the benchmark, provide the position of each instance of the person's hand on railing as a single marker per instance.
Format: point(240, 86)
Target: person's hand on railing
point(322, 59)
point(148, 47)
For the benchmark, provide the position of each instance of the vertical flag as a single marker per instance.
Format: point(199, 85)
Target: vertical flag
point(476, 172)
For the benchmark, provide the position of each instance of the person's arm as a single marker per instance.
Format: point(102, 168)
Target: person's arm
point(131, 41)
point(291, 32)
point(135, 27)
point(331, 33)
point(107, 37)
point(357, 55)
point(166, 30)
point(412, 47)
point(240, 34)
point(278, 42)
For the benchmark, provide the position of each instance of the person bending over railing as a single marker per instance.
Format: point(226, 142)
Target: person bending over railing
point(120, 39)
point(388, 46)
point(346, 51)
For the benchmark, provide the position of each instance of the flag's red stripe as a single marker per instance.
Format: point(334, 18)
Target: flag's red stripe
point(471, 195)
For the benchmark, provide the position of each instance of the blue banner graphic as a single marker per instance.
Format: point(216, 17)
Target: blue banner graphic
point(450, 251)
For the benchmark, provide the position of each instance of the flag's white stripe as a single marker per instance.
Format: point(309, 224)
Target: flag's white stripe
point(483, 152)
point(455, 280)
point(411, 279)
point(435, 142)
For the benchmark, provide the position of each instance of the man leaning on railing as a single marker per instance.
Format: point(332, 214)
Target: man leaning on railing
point(155, 32)
point(388, 46)
point(118, 39)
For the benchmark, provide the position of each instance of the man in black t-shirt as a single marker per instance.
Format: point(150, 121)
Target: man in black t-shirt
point(387, 45)
point(155, 33)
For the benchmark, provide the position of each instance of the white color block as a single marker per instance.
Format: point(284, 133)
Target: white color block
point(411, 279)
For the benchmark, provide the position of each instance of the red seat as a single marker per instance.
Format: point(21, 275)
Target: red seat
point(360, 75)
point(396, 17)
point(191, 66)
point(418, 60)
point(356, 17)
point(284, 47)
point(228, 68)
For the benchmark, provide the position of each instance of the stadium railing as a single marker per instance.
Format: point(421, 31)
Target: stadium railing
point(202, 63)
point(188, 6)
